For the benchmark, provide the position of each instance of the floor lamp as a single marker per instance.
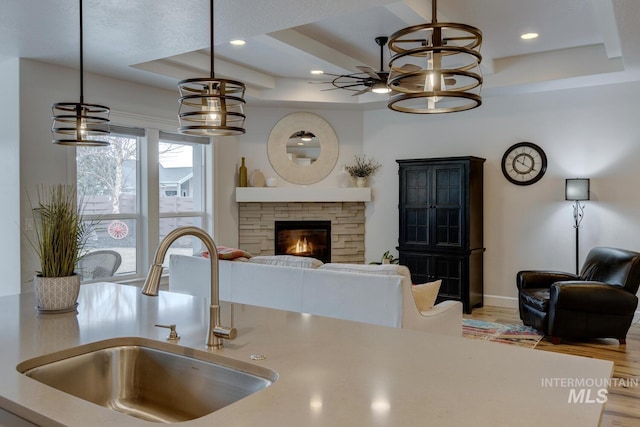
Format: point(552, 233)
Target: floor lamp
point(577, 189)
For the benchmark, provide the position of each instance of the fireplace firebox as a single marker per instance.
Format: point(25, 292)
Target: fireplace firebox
point(304, 238)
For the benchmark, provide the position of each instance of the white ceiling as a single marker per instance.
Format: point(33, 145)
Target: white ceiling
point(158, 42)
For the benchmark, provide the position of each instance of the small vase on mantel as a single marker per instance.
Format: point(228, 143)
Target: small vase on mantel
point(361, 181)
point(242, 175)
point(257, 178)
point(344, 178)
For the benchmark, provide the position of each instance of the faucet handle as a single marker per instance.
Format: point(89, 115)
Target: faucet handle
point(225, 332)
point(173, 335)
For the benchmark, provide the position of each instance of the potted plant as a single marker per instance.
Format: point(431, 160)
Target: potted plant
point(363, 169)
point(387, 258)
point(58, 238)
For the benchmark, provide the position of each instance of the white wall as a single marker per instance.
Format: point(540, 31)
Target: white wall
point(588, 133)
point(10, 176)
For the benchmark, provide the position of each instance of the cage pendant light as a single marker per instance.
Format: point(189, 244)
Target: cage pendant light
point(211, 106)
point(435, 67)
point(80, 124)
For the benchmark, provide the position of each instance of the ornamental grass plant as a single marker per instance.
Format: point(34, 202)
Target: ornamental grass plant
point(363, 167)
point(59, 232)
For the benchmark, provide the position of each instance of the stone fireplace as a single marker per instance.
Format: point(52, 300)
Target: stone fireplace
point(257, 226)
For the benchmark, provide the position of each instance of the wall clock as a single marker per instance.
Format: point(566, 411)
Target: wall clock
point(524, 163)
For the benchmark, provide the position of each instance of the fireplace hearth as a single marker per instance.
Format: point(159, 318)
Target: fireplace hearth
point(304, 238)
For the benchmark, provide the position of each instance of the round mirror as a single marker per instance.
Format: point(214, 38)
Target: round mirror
point(302, 148)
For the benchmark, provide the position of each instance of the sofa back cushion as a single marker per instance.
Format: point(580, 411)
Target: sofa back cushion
point(613, 266)
point(383, 269)
point(287, 261)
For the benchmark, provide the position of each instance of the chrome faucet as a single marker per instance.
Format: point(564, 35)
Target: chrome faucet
point(216, 332)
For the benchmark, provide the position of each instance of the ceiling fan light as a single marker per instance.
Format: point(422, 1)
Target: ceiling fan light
point(306, 136)
point(380, 87)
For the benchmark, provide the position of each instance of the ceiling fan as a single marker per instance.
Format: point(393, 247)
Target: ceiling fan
point(373, 81)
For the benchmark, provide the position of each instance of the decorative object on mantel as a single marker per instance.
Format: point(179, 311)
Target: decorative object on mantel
point(435, 67)
point(363, 169)
point(211, 106)
point(344, 178)
point(257, 179)
point(59, 237)
point(80, 124)
point(272, 181)
point(242, 175)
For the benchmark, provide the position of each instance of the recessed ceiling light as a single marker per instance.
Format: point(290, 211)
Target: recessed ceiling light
point(317, 72)
point(238, 42)
point(529, 36)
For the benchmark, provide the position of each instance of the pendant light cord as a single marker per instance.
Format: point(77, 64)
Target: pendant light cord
point(211, 37)
point(434, 13)
point(81, 60)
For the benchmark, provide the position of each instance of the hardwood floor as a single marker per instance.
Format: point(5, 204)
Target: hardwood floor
point(622, 408)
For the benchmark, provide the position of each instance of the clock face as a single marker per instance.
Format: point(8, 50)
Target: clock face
point(524, 163)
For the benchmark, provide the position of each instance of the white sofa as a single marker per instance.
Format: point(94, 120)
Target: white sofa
point(374, 294)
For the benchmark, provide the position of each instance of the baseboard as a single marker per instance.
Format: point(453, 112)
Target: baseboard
point(500, 301)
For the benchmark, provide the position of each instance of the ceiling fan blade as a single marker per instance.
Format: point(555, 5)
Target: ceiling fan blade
point(360, 92)
point(369, 71)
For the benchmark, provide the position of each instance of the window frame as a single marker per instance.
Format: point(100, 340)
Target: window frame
point(148, 191)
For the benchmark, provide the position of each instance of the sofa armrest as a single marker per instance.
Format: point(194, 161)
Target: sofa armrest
point(594, 297)
point(443, 318)
point(540, 279)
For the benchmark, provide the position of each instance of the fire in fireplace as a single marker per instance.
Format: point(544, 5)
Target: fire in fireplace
point(304, 238)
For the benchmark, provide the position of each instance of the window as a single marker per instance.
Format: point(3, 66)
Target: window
point(117, 188)
point(181, 183)
point(107, 179)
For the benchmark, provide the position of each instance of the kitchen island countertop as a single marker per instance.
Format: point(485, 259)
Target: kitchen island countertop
point(331, 372)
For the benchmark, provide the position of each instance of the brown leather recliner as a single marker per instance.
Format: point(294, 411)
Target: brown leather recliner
point(600, 303)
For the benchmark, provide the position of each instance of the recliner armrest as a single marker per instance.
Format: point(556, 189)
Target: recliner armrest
point(595, 297)
point(536, 279)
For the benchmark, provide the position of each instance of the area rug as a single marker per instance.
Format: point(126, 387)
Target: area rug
point(519, 335)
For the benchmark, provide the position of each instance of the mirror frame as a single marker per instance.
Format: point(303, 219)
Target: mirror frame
point(277, 148)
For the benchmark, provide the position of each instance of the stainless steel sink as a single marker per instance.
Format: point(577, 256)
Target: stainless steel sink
point(148, 379)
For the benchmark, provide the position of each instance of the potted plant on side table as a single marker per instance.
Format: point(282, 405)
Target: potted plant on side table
point(58, 238)
point(363, 169)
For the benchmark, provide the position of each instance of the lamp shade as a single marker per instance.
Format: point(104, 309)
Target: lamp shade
point(576, 189)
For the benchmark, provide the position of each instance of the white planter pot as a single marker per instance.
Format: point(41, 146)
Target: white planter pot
point(361, 182)
point(56, 294)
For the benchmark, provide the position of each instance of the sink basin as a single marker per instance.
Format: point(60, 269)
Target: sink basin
point(148, 379)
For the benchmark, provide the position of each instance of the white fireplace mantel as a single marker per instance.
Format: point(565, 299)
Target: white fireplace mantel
point(302, 194)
